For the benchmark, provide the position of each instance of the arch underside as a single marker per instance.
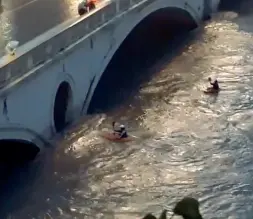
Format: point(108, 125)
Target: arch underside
point(173, 18)
point(17, 151)
point(61, 104)
point(154, 31)
point(19, 145)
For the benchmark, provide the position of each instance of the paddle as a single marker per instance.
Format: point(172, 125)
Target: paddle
point(113, 125)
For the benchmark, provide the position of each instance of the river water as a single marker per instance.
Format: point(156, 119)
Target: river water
point(187, 143)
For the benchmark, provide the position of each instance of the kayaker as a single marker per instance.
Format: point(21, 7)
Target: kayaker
point(121, 131)
point(83, 7)
point(215, 84)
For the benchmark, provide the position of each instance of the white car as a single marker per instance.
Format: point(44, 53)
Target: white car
point(85, 6)
point(11, 47)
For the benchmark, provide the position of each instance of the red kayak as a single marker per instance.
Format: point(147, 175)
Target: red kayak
point(114, 137)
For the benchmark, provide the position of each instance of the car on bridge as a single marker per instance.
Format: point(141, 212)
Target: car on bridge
point(85, 6)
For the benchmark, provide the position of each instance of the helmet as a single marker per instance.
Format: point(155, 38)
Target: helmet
point(122, 126)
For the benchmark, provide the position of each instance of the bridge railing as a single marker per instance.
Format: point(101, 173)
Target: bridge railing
point(34, 53)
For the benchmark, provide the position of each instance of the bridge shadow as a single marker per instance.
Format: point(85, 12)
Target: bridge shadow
point(51, 182)
point(244, 11)
point(31, 188)
point(136, 61)
point(239, 6)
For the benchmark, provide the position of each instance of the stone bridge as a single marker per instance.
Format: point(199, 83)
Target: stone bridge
point(50, 81)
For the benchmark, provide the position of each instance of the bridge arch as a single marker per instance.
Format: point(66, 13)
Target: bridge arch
point(62, 106)
point(161, 15)
point(18, 144)
point(17, 151)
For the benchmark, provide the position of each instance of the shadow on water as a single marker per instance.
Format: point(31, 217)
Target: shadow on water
point(42, 186)
point(35, 184)
point(12, 190)
point(243, 9)
point(134, 63)
point(16, 161)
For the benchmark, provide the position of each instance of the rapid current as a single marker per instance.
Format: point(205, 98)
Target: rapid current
point(187, 143)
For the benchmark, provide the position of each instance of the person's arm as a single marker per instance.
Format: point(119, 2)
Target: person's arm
point(113, 127)
point(123, 133)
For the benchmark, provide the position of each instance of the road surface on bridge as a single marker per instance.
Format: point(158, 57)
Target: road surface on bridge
point(23, 20)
